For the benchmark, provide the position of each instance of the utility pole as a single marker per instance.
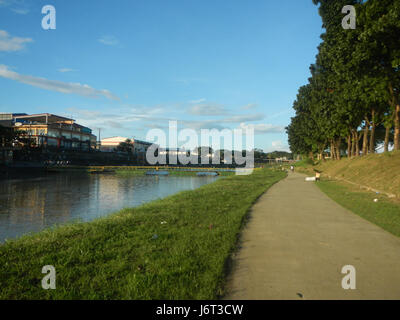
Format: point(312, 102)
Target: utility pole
point(99, 143)
point(71, 130)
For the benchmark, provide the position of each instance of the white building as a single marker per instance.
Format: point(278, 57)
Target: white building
point(109, 144)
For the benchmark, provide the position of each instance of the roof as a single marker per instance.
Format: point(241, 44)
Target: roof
point(116, 139)
point(42, 116)
point(142, 142)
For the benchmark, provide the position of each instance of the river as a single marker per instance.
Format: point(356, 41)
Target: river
point(31, 205)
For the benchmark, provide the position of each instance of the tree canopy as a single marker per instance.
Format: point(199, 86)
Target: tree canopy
point(352, 95)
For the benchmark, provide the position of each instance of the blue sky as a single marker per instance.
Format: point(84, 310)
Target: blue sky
point(128, 66)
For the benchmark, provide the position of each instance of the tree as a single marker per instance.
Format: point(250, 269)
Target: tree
point(126, 146)
point(379, 53)
point(203, 151)
point(354, 88)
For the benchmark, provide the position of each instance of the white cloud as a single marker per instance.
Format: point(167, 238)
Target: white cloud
point(145, 110)
point(244, 118)
point(158, 116)
point(63, 70)
point(20, 10)
point(278, 145)
point(109, 40)
point(5, 3)
point(54, 85)
point(250, 106)
point(17, 6)
point(207, 110)
point(124, 114)
point(84, 114)
point(221, 123)
point(281, 113)
point(263, 128)
point(198, 125)
point(9, 43)
point(197, 101)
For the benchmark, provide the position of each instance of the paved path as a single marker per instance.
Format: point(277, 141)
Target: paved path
point(298, 240)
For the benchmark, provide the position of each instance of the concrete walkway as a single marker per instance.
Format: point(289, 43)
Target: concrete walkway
point(298, 240)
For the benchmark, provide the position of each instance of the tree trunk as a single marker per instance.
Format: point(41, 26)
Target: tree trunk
point(365, 140)
point(372, 136)
point(337, 145)
point(332, 151)
point(387, 135)
point(321, 153)
point(372, 140)
point(357, 144)
point(353, 144)
point(349, 146)
point(397, 128)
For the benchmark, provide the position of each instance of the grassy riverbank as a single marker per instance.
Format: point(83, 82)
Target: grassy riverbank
point(375, 171)
point(174, 248)
point(356, 183)
point(384, 213)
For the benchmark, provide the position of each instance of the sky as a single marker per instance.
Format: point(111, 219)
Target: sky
point(128, 66)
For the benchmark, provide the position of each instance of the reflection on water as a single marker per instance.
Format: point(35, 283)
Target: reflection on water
point(34, 204)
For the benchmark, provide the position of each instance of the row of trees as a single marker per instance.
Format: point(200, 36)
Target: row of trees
point(351, 102)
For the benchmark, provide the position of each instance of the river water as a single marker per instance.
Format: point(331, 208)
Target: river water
point(31, 205)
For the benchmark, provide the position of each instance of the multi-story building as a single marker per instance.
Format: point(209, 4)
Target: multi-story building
point(49, 130)
point(6, 119)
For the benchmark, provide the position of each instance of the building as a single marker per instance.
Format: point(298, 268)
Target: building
point(110, 144)
point(6, 119)
point(138, 147)
point(173, 152)
point(49, 130)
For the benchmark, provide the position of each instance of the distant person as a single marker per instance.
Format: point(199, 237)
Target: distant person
point(292, 168)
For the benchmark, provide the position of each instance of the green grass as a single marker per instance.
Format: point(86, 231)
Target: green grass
point(378, 171)
point(138, 172)
point(118, 257)
point(304, 163)
point(384, 213)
